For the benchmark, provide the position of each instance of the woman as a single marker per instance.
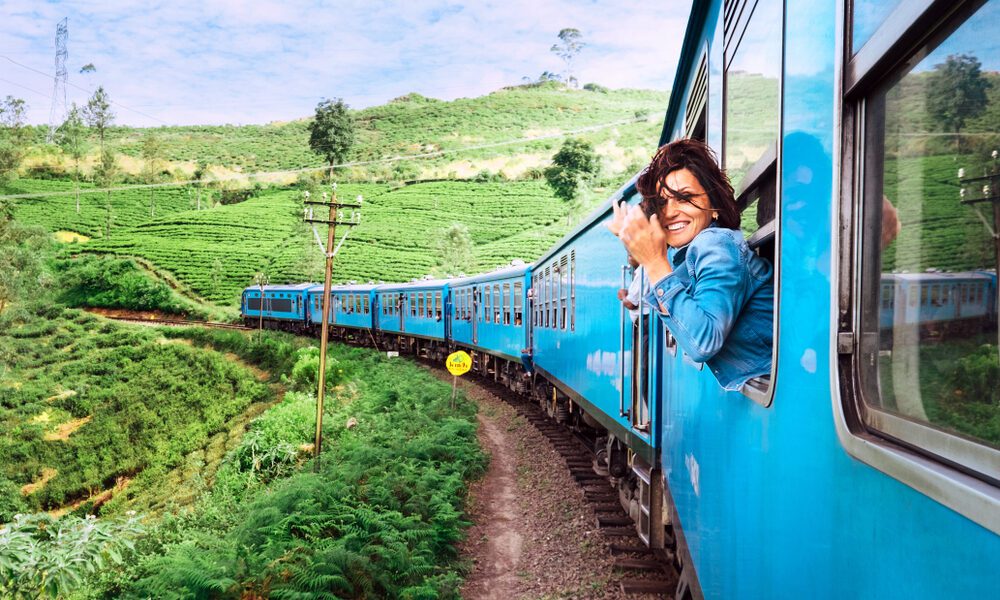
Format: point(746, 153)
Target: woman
point(712, 292)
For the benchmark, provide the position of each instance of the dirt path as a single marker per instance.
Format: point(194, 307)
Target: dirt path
point(498, 520)
point(533, 534)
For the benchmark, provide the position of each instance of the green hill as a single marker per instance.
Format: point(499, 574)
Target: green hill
point(413, 125)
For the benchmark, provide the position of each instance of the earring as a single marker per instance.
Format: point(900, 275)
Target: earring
point(715, 216)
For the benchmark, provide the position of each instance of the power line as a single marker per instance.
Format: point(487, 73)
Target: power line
point(362, 163)
point(119, 104)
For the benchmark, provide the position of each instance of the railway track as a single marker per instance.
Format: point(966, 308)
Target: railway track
point(645, 571)
point(180, 323)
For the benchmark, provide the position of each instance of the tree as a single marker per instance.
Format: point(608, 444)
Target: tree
point(105, 174)
point(13, 137)
point(956, 92)
point(151, 151)
point(98, 114)
point(455, 246)
point(576, 163)
point(21, 262)
point(331, 133)
point(72, 138)
point(199, 176)
point(567, 49)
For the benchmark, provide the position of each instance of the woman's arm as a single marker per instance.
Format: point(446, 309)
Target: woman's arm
point(701, 315)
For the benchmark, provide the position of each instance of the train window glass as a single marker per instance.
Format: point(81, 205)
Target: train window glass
point(564, 290)
point(866, 17)
point(506, 304)
point(497, 306)
point(357, 303)
point(437, 305)
point(367, 307)
point(518, 302)
point(413, 304)
point(487, 310)
point(572, 290)
point(751, 90)
point(927, 170)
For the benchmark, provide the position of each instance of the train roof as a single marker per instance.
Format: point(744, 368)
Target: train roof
point(625, 191)
point(502, 273)
point(420, 284)
point(281, 287)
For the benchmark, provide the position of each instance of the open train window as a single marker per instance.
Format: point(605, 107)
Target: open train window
point(518, 302)
point(506, 304)
point(922, 207)
point(753, 32)
point(572, 290)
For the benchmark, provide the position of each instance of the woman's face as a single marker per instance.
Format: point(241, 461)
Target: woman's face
point(683, 220)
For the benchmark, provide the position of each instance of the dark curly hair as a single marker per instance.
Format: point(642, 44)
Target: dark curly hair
point(698, 158)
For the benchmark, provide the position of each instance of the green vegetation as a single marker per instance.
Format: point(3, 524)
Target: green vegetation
point(331, 133)
point(379, 519)
point(576, 164)
point(109, 282)
point(86, 404)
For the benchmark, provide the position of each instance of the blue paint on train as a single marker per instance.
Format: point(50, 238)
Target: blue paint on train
point(488, 312)
point(284, 302)
point(421, 308)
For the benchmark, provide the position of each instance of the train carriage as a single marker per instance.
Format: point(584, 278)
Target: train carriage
point(488, 318)
point(352, 311)
point(415, 316)
point(843, 475)
point(277, 306)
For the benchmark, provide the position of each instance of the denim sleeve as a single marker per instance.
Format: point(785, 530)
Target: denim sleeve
point(701, 314)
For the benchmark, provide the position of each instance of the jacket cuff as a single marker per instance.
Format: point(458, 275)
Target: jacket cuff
point(662, 292)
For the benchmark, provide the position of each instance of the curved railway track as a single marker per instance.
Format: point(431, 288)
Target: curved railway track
point(645, 571)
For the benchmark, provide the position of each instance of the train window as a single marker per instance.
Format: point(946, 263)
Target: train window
point(506, 303)
point(437, 305)
point(572, 290)
point(928, 376)
point(563, 289)
point(357, 303)
point(696, 111)
point(518, 302)
point(751, 90)
point(497, 307)
point(487, 311)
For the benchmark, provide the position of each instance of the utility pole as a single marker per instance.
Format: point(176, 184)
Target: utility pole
point(338, 215)
point(989, 192)
point(261, 280)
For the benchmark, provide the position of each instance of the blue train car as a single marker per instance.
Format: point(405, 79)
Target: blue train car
point(415, 316)
point(852, 472)
point(488, 318)
point(280, 306)
point(936, 301)
point(352, 311)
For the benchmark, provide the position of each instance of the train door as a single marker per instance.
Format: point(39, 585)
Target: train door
point(475, 314)
point(635, 344)
point(403, 300)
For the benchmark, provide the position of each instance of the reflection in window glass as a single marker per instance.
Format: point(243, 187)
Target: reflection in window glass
point(752, 84)
point(868, 16)
point(932, 133)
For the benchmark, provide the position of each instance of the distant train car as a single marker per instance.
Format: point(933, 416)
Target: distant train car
point(488, 319)
point(351, 311)
point(280, 307)
point(415, 318)
point(937, 303)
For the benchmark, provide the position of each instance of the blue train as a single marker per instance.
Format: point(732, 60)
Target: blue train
point(863, 466)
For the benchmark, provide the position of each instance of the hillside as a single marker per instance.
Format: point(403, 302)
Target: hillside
point(413, 125)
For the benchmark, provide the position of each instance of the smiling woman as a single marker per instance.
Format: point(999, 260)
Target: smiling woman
point(712, 292)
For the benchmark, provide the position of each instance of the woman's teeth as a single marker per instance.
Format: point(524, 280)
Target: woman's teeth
point(676, 226)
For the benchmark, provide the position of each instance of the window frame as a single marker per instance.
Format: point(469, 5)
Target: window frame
point(763, 173)
point(948, 468)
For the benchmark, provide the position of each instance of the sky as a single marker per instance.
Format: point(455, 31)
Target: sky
point(224, 61)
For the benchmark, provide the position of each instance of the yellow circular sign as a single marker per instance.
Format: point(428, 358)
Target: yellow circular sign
point(458, 363)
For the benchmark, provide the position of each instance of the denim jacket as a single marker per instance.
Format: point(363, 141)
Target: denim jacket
point(719, 305)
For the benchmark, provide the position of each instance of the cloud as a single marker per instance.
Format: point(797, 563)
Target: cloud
point(217, 61)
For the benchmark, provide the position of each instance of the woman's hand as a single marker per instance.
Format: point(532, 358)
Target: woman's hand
point(644, 239)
